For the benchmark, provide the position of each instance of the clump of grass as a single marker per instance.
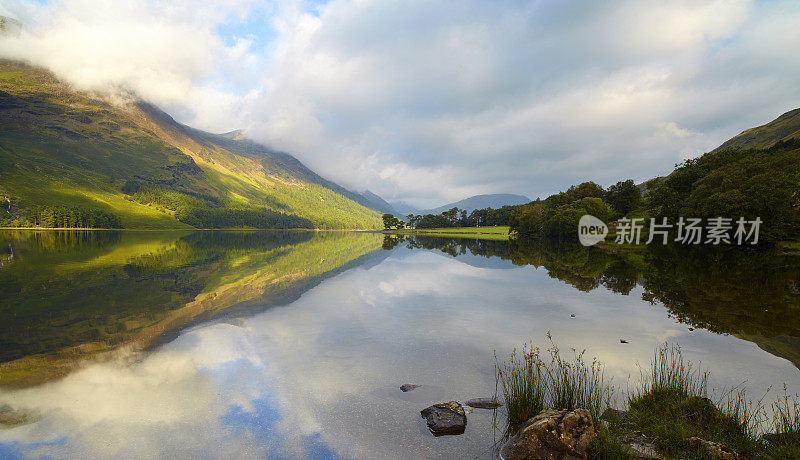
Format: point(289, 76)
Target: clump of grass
point(530, 384)
point(669, 371)
point(784, 442)
point(576, 383)
point(672, 406)
point(606, 445)
point(750, 414)
point(523, 382)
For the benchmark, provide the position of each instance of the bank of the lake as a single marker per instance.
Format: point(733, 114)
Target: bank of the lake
point(500, 233)
point(669, 413)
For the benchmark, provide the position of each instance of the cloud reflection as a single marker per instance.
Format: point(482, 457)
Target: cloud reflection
point(319, 378)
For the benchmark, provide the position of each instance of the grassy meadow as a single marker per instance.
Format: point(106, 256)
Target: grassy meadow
point(499, 232)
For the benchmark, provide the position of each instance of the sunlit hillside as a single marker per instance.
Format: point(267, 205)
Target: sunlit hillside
point(71, 159)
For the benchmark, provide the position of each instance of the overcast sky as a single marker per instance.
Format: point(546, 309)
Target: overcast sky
point(432, 101)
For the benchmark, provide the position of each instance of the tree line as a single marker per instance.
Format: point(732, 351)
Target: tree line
point(242, 218)
point(451, 218)
point(69, 217)
point(558, 214)
point(729, 183)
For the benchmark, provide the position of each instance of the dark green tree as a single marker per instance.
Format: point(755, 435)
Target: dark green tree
point(390, 221)
point(623, 196)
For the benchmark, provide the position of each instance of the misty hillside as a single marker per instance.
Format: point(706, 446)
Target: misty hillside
point(377, 203)
point(494, 201)
point(68, 158)
point(403, 208)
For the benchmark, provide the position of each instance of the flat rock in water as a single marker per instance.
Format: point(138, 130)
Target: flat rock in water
point(445, 418)
point(639, 447)
point(552, 434)
point(408, 387)
point(484, 403)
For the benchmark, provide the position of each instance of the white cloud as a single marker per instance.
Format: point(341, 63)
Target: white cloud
point(430, 101)
point(166, 53)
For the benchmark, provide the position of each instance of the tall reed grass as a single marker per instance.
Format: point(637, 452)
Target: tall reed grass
point(671, 404)
point(784, 441)
point(669, 371)
point(530, 383)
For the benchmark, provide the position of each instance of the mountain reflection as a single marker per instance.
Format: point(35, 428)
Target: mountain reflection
point(754, 295)
point(71, 294)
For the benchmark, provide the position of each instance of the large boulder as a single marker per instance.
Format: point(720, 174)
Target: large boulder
point(552, 434)
point(445, 418)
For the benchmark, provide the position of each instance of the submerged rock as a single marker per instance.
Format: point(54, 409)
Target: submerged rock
point(552, 434)
point(445, 418)
point(612, 414)
point(712, 449)
point(639, 447)
point(408, 387)
point(484, 403)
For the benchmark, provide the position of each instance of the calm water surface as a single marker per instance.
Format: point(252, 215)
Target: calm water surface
point(293, 345)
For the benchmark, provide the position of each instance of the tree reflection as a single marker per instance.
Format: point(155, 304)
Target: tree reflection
point(753, 294)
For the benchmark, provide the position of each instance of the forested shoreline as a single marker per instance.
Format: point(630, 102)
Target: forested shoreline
point(730, 183)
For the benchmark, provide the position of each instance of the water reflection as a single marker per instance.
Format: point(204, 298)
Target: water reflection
point(751, 294)
point(318, 376)
point(68, 295)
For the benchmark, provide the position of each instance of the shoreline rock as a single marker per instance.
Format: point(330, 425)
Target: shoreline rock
point(552, 434)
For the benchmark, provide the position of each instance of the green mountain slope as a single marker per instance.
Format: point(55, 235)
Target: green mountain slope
point(754, 175)
point(69, 158)
point(783, 128)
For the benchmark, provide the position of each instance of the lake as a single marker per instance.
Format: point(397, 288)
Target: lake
point(294, 344)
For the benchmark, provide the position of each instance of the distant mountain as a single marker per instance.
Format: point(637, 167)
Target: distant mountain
point(783, 128)
point(377, 203)
point(404, 208)
point(495, 201)
point(73, 159)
